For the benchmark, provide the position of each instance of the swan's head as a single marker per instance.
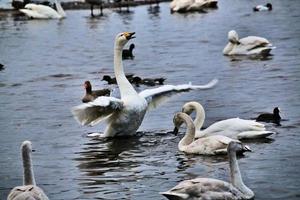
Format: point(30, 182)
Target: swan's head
point(269, 6)
point(123, 38)
point(178, 120)
point(237, 147)
point(233, 37)
point(189, 107)
point(26, 146)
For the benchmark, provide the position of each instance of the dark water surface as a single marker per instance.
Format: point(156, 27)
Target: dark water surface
point(46, 63)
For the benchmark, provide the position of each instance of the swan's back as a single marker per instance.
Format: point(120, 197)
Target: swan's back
point(211, 145)
point(203, 189)
point(27, 192)
point(253, 41)
point(233, 126)
point(43, 10)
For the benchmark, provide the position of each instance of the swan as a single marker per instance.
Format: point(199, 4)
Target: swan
point(267, 7)
point(210, 145)
point(251, 45)
point(124, 116)
point(28, 190)
point(36, 11)
point(209, 188)
point(91, 95)
point(191, 5)
point(235, 128)
point(270, 117)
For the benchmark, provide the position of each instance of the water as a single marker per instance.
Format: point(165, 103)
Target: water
point(46, 63)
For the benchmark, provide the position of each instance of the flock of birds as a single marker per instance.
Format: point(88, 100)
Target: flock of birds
point(124, 116)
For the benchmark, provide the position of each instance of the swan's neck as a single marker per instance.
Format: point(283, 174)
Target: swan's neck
point(60, 10)
point(236, 178)
point(228, 48)
point(126, 88)
point(200, 116)
point(27, 166)
point(189, 134)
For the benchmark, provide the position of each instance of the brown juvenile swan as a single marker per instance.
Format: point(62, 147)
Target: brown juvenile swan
point(209, 188)
point(29, 190)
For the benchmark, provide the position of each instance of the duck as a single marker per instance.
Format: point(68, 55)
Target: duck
point(112, 80)
point(91, 95)
point(29, 189)
point(270, 117)
point(1, 67)
point(267, 7)
point(124, 115)
point(127, 53)
point(37, 11)
point(147, 81)
point(210, 188)
point(210, 145)
point(251, 45)
point(234, 128)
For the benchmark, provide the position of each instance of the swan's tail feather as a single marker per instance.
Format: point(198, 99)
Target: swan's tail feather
point(254, 134)
point(174, 196)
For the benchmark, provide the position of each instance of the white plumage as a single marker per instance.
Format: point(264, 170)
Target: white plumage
point(191, 5)
point(251, 45)
point(37, 11)
point(124, 116)
point(235, 128)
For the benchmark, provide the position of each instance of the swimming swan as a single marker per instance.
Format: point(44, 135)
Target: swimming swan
point(37, 11)
point(28, 190)
point(235, 128)
point(210, 145)
point(251, 45)
point(209, 188)
point(191, 5)
point(124, 116)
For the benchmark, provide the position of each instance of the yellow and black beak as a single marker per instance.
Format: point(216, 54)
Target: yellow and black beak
point(129, 35)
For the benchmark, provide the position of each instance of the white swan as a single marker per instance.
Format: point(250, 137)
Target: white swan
point(210, 145)
point(28, 190)
point(37, 11)
point(235, 128)
point(208, 188)
point(250, 45)
point(191, 5)
point(124, 116)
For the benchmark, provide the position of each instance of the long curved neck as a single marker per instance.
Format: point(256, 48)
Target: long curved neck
point(190, 132)
point(200, 116)
point(126, 88)
point(236, 178)
point(60, 10)
point(27, 166)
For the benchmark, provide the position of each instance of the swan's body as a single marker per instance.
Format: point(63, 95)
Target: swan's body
point(251, 45)
point(235, 128)
point(210, 145)
point(125, 115)
point(28, 190)
point(208, 188)
point(191, 5)
point(37, 11)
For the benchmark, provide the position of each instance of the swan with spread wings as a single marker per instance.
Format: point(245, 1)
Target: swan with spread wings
point(124, 116)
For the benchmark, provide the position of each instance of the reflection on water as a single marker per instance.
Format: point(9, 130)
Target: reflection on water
point(46, 62)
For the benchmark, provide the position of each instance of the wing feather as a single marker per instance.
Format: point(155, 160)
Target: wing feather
point(94, 112)
point(159, 95)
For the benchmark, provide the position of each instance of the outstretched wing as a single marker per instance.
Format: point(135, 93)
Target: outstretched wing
point(159, 95)
point(93, 112)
